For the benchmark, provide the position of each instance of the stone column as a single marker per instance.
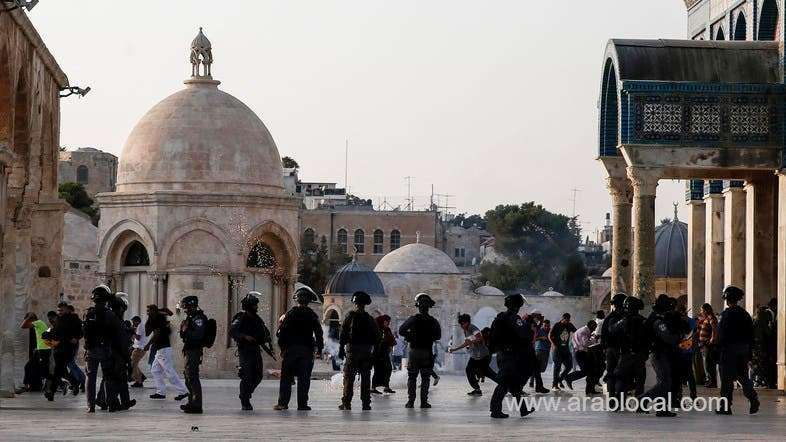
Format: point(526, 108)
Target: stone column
point(159, 284)
point(734, 236)
point(622, 202)
point(696, 245)
point(713, 259)
point(781, 280)
point(760, 274)
point(645, 184)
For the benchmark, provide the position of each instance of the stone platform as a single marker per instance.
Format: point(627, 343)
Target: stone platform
point(455, 416)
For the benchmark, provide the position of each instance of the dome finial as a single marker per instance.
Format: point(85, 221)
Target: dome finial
point(676, 205)
point(201, 53)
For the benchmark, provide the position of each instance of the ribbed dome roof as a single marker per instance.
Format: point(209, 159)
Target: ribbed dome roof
point(416, 258)
point(354, 277)
point(671, 249)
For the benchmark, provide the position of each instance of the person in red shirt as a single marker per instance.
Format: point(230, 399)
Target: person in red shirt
point(708, 331)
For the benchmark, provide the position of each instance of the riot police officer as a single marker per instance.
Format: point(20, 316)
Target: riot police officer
point(630, 335)
point(192, 332)
point(420, 331)
point(610, 344)
point(299, 335)
point(250, 333)
point(735, 340)
point(359, 336)
point(511, 337)
point(101, 330)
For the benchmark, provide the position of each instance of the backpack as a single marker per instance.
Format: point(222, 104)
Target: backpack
point(210, 333)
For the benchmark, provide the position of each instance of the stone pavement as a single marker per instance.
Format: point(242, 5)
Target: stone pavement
point(455, 416)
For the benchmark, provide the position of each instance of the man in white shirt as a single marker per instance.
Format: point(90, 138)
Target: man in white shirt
point(582, 340)
point(138, 352)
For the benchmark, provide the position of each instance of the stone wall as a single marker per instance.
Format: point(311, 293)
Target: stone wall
point(98, 173)
point(32, 215)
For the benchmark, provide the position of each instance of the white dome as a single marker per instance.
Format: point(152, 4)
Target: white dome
point(607, 273)
point(416, 258)
point(488, 290)
point(551, 293)
point(202, 139)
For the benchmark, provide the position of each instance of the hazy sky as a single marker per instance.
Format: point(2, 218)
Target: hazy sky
point(490, 101)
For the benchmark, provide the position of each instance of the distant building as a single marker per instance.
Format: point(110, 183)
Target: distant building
point(463, 244)
point(94, 169)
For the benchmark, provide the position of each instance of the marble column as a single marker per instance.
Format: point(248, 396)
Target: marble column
point(696, 245)
point(713, 257)
point(760, 274)
point(622, 203)
point(781, 314)
point(645, 183)
point(734, 237)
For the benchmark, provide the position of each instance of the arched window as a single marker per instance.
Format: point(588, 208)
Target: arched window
point(44, 272)
point(261, 257)
point(720, 35)
point(609, 122)
point(360, 241)
point(395, 240)
point(768, 21)
point(379, 237)
point(342, 241)
point(334, 324)
point(136, 255)
point(308, 236)
point(741, 27)
point(82, 175)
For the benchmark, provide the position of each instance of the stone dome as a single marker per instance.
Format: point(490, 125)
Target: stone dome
point(354, 277)
point(671, 249)
point(489, 290)
point(200, 139)
point(416, 258)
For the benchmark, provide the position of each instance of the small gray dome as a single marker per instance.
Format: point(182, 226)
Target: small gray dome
point(354, 277)
point(671, 249)
point(417, 258)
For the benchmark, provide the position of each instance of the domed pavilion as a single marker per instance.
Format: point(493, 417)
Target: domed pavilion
point(200, 209)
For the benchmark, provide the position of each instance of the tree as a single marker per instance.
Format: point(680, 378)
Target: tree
point(76, 196)
point(289, 163)
point(541, 246)
point(462, 220)
point(315, 267)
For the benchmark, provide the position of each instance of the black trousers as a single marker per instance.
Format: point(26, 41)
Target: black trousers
point(420, 362)
point(250, 372)
point(710, 355)
point(477, 368)
point(662, 363)
point(359, 361)
point(297, 362)
point(612, 356)
point(193, 359)
point(733, 365)
point(383, 368)
point(630, 373)
point(100, 356)
point(562, 358)
point(61, 356)
point(587, 368)
point(510, 379)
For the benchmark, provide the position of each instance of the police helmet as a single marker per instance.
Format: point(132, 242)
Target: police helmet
point(101, 293)
point(120, 301)
point(464, 317)
point(733, 293)
point(251, 299)
point(304, 291)
point(189, 301)
point(514, 301)
point(633, 304)
point(422, 299)
point(361, 298)
point(618, 300)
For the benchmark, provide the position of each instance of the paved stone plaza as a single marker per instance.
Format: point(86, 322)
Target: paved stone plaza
point(454, 417)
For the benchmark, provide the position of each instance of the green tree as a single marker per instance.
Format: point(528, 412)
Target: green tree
point(541, 248)
point(289, 163)
point(315, 267)
point(468, 221)
point(76, 196)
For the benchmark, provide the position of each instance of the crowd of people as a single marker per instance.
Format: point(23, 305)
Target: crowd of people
point(611, 349)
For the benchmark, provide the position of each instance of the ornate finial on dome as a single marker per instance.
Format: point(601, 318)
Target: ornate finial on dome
point(417, 237)
point(201, 53)
point(675, 212)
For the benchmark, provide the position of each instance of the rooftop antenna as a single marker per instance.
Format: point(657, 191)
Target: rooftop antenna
point(573, 199)
point(346, 164)
point(409, 192)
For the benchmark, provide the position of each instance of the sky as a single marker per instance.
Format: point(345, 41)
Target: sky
point(491, 102)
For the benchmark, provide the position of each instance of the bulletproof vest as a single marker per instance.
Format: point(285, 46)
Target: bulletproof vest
point(96, 327)
point(195, 328)
point(611, 335)
point(251, 325)
point(424, 331)
point(631, 334)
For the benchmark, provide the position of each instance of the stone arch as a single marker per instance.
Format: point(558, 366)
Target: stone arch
point(769, 18)
point(740, 27)
point(21, 140)
point(280, 242)
point(332, 320)
point(120, 236)
point(720, 34)
point(188, 226)
point(609, 111)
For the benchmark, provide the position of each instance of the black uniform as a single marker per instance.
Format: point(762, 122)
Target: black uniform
point(192, 332)
point(512, 339)
point(299, 336)
point(420, 331)
point(102, 330)
point(67, 327)
point(611, 348)
point(664, 338)
point(359, 337)
point(249, 353)
point(631, 337)
point(735, 340)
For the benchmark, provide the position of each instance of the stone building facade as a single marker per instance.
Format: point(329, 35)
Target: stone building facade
point(90, 167)
point(32, 216)
point(80, 263)
point(200, 209)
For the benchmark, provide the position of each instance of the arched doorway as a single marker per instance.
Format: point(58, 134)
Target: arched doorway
point(720, 35)
point(135, 280)
point(768, 20)
point(740, 27)
point(333, 322)
point(261, 268)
